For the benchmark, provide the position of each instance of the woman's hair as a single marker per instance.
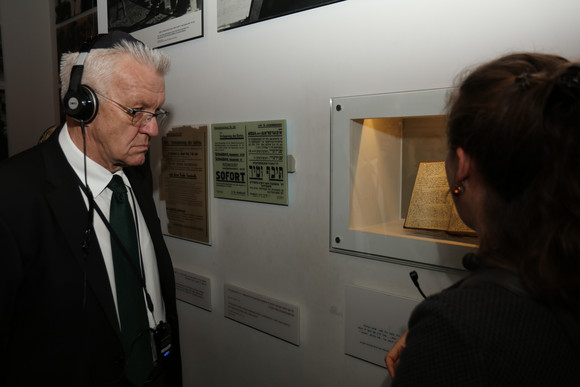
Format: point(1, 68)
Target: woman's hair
point(98, 64)
point(518, 118)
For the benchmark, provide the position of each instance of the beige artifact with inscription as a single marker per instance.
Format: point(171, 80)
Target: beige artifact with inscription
point(431, 206)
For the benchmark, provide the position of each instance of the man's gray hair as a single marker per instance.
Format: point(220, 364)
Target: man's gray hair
point(100, 64)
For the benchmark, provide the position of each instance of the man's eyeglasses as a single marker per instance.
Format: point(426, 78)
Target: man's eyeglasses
point(140, 118)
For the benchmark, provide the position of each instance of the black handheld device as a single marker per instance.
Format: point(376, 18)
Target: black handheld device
point(162, 340)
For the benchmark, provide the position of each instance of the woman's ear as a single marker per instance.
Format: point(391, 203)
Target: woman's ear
point(463, 166)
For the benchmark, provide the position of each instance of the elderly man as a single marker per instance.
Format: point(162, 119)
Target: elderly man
point(87, 292)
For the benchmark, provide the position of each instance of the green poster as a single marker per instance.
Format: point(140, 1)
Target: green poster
point(250, 161)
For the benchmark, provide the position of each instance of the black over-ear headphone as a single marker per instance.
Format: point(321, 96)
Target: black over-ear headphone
point(80, 101)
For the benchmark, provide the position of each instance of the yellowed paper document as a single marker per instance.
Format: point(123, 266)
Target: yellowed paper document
point(431, 206)
point(183, 183)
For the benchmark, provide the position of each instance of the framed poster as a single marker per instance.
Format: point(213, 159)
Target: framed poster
point(237, 13)
point(157, 23)
point(250, 161)
point(183, 183)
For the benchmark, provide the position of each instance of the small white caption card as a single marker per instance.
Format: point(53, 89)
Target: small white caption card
point(274, 317)
point(374, 322)
point(193, 289)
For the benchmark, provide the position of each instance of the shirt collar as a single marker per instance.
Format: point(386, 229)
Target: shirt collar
point(98, 177)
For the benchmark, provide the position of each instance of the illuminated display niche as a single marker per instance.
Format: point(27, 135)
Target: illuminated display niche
point(377, 142)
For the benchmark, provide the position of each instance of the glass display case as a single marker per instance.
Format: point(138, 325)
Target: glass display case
point(377, 142)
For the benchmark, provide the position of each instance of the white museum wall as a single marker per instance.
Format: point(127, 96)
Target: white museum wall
point(289, 68)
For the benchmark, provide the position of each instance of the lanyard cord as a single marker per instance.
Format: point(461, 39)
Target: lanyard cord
point(88, 231)
point(139, 273)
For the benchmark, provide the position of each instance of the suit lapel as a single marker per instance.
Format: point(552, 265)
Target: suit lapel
point(66, 201)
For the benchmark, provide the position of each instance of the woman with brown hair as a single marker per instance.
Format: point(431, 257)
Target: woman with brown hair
point(513, 168)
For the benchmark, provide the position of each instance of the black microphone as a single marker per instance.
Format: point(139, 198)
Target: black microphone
point(415, 279)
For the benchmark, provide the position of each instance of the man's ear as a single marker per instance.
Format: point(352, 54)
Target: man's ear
point(463, 166)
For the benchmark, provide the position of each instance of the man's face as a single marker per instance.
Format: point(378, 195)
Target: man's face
point(112, 140)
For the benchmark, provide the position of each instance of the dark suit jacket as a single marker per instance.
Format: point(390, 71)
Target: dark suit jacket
point(58, 324)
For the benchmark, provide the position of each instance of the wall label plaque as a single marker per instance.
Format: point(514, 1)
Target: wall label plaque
point(193, 289)
point(271, 316)
point(374, 322)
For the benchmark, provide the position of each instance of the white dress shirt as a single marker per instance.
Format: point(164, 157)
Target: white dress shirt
point(98, 178)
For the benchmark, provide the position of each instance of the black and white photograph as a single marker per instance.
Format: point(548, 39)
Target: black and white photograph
point(157, 23)
point(237, 13)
